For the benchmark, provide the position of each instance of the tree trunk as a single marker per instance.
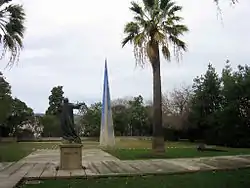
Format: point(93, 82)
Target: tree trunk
point(158, 139)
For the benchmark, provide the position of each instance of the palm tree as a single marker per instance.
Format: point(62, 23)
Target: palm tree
point(12, 18)
point(154, 27)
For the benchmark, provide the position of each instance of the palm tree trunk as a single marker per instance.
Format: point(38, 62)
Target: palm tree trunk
point(158, 139)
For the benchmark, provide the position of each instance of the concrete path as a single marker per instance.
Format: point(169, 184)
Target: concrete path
point(42, 165)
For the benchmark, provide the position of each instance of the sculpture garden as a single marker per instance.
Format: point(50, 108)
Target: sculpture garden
point(196, 135)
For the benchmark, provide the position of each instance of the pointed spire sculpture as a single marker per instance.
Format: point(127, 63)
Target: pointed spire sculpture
point(107, 137)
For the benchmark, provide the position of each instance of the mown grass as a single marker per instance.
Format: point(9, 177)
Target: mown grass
point(124, 143)
point(14, 151)
point(125, 149)
point(133, 154)
point(220, 179)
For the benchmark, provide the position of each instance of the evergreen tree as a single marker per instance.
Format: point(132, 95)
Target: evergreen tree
point(55, 100)
point(206, 102)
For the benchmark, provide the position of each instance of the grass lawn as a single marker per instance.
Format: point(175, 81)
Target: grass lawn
point(14, 151)
point(142, 144)
point(221, 179)
point(133, 154)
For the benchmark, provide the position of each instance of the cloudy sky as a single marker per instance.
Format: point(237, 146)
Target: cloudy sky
point(66, 44)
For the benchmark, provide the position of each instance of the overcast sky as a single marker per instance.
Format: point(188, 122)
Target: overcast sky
point(66, 44)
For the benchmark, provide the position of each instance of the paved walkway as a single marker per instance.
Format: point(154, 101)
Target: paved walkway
point(42, 165)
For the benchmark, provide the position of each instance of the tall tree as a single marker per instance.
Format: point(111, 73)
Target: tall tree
point(19, 115)
point(234, 126)
point(55, 100)
point(138, 119)
point(155, 25)
point(12, 28)
point(13, 112)
point(91, 120)
point(206, 101)
point(5, 102)
point(176, 107)
point(120, 118)
point(51, 126)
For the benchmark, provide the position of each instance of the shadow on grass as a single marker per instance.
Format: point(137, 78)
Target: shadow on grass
point(135, 154)
point(212, 149)
point(153, 155)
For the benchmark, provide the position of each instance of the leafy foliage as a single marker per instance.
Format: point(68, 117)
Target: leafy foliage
point(156, 22)
point(51, 126)
point(14, 113)
point(5, 99)
point(220, 107)
point(138, 117)
point(50, 121)
point(234, 118)
point(55, 100)
point(20, 114)
point(12, 28)
point(91, 120)
point(206, 100)
point(130, 117)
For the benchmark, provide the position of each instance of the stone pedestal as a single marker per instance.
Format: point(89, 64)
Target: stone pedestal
point(70, 156)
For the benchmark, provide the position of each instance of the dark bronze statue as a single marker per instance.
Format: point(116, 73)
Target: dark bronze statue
point(69, 133)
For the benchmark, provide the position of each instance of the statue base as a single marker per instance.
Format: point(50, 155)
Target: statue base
point(70, 156)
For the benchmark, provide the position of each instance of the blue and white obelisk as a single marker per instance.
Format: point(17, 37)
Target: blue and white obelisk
point(107, 137)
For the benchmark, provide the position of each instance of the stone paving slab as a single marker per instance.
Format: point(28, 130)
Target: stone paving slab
point(16, 176)
point(90, 169)
point(247, 157)
point(97, 163)
point(4, 165)
point(53, 156)
point(133, 167)
point(12, 168)
point(36, 171)
point(192, 165)
point(49, 171)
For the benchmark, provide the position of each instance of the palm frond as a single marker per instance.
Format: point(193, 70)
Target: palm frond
point(127, 39)
point(136, 8)
point(176, 18)
point(168, 4)
point(139, 39)
point(174, 9)
point(141, 21)
point(178, 43)
point(181, 29)
point(18, 40)
point(16, 12)
point(15, 27)
point(12, 30)
point(164, 3)
point(149, 4)
point(166, 53)
point(131, 27)
point(2, 2)
point(155, 23)
point(176, 30)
